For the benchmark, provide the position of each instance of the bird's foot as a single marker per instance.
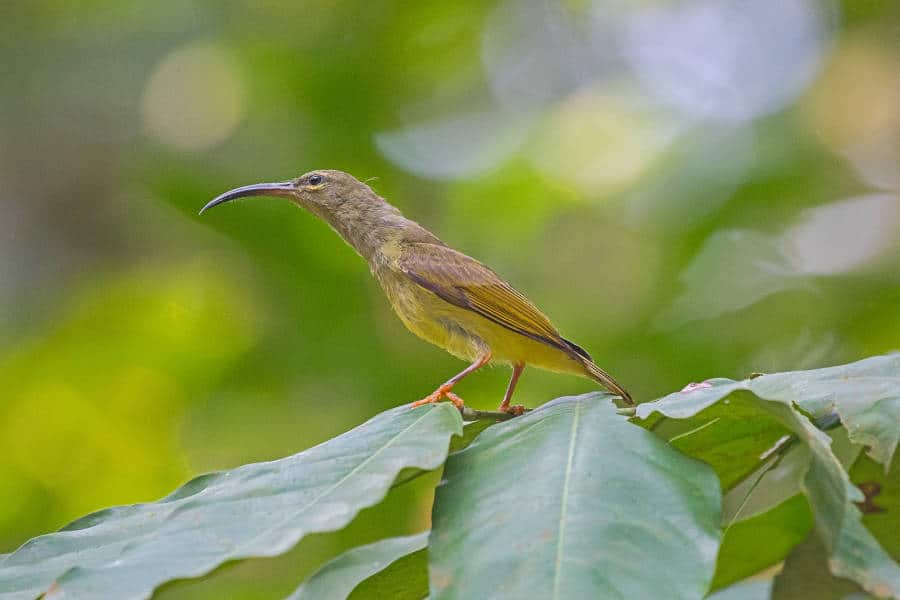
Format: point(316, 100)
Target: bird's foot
point(438, 395)
point(514, 410)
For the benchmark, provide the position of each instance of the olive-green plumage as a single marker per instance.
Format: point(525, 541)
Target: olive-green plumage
point(440, 294)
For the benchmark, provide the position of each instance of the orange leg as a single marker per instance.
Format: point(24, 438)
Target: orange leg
point(516, 409)
point(444, 391)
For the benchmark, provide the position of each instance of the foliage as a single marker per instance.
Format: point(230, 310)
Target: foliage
point(579, 493)
point(871, 384)
point(569, 500)
point(257, 510)
point(677, 225)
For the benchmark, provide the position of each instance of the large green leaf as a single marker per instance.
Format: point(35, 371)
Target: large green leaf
point(854, 552)
point(865, 394)
point(256, 510)
point(572, 501)
point(339, 577)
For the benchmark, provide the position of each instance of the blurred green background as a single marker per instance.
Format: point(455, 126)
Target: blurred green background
point(689, 189)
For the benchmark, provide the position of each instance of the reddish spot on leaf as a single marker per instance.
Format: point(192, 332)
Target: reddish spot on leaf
point(695, 386)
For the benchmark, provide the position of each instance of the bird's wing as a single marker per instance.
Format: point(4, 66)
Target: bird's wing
point(465, 282)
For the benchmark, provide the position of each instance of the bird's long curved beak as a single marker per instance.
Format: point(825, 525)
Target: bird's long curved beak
point(284, 189)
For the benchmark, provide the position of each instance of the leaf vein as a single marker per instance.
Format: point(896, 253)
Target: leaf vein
point(565, 499)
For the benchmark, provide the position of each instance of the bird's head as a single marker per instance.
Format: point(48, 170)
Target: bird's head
point(322, 192)
point(351, 207)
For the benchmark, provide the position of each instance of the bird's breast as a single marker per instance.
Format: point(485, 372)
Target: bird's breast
point(428, 316)
point(462, 332)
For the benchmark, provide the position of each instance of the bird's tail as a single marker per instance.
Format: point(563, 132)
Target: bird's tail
point(604, 379)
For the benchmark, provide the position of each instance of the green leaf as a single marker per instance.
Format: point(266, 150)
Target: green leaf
point(753, 545)
point(854, 552)
point(865, 394)
point(880, 509)
point(260, 509)
point(729, 436)
point(471, 429)
point(761, 528)
point(780, 478)
point(573, 501)
point(405, 579)
point(339, 577)
point(755, 589)
point(805, 575)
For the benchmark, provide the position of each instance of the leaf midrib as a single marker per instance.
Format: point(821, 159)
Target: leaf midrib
point(565, 500)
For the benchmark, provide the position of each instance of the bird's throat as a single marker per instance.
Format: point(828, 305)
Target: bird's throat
point(368, 228)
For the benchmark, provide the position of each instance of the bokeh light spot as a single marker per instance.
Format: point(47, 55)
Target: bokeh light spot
point(194, 98)
point(728, 60)
point(827, 240)
point(855, 109)
point(454, 147)
point(599, 140)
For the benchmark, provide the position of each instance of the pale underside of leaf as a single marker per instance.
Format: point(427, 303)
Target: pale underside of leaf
point(865, 394)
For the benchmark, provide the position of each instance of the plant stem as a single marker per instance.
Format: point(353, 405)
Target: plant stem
point(471, 414)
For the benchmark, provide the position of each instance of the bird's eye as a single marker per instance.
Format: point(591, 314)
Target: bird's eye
point(316, 179)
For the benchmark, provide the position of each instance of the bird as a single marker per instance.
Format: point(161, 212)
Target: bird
point(440, 294)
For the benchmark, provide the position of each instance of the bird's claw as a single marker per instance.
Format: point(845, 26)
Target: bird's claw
point(438, 395)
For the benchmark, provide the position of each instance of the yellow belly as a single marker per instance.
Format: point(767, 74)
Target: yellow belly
point(464, 333)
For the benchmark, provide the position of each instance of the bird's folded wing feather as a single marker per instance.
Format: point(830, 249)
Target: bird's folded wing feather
point(465, 282)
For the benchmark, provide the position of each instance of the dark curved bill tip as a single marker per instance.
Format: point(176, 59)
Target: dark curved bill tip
point(284, 188)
